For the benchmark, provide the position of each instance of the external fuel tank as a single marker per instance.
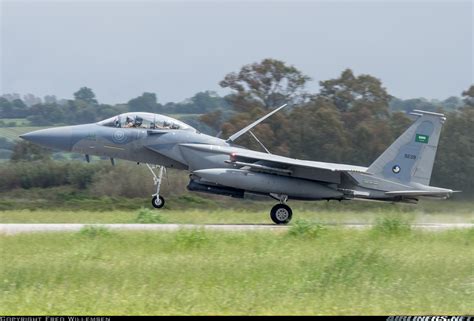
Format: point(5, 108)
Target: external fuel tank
point(268, 183)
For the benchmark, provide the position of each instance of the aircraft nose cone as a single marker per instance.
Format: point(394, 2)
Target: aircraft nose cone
point(57, 138)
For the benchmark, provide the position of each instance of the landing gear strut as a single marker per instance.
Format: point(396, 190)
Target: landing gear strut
point(281, 213)
point(157, 201)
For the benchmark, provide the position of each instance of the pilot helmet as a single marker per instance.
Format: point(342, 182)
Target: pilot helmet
point(138, 121)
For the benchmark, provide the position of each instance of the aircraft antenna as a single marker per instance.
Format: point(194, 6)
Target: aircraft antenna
point(252, 125)
point(261, 144)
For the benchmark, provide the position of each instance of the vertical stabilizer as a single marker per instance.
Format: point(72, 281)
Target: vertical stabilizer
point(411, 157)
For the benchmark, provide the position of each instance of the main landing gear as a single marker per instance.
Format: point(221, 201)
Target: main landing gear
point(281, 213)
point(157, 201)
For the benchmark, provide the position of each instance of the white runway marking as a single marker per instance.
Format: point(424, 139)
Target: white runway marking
point(24, 228)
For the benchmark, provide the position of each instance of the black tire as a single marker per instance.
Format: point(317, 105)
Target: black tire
point(281, 214)
point(158, 203)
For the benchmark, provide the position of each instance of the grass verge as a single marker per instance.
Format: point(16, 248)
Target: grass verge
point(331, 271)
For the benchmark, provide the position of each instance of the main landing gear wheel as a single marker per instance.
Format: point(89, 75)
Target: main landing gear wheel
point(158, 202)
point(281, 214)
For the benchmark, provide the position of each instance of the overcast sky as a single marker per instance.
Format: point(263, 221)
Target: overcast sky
point(123, 48)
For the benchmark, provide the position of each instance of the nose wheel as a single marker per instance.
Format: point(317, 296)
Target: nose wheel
point(157, 201)
point(281, 214)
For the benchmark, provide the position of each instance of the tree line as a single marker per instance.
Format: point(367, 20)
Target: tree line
point(85, 108)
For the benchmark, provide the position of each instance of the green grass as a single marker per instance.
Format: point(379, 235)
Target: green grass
point(334, 271)
point(17, 121)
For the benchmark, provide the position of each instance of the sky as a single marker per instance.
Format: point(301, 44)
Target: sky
point(175, 49)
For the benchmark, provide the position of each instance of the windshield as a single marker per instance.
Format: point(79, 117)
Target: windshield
point(144, 120)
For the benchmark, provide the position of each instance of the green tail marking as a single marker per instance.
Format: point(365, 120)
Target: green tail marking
point(422, 138)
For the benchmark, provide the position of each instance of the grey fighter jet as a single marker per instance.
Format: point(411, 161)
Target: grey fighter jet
point(401, 174)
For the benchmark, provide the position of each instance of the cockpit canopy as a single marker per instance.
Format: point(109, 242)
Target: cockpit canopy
point(144, 120)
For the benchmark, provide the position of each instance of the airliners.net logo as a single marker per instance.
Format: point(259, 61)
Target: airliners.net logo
point(430, 318)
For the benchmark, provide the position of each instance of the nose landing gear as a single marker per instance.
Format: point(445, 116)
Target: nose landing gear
point(157, 201)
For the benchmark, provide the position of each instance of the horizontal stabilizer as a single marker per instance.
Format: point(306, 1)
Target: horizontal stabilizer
point(441, 193)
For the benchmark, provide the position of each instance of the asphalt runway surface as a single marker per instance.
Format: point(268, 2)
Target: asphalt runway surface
point(10, 229)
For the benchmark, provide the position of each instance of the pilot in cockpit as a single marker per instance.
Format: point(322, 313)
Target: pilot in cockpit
point(129, 122)
point(144, 121)
point(138, 122)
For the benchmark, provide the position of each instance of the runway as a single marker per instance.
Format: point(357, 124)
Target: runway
point(9, 229)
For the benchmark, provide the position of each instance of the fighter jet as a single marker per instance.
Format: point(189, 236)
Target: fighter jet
point(219, 166)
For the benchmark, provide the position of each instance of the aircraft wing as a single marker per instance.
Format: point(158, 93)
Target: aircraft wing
point(253, 156)
point(274, 164)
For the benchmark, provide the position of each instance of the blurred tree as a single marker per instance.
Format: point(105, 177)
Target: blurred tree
point(81, 176)
point(408, 105)
point(50, 99)
point(267, 84)
point(399, 122)
point(259, 87)
point(364, 107)
point(20, 110)
point(469, 96)
point(147, 102)
point(30, 100)
point(6, 144)
point(204, 102)
point(26, 151)
point(369, 137)
point(454, 165)
point(12, 108)
point(46, 114)
point(83, 112)
point(105, 111)
point(317, 132)
point(207, 101)
point(200, 103)
point(85, 94)
point(213, 119)
point(11, 97)
point(451, 103)
point(6, 108)
point(350, 92)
